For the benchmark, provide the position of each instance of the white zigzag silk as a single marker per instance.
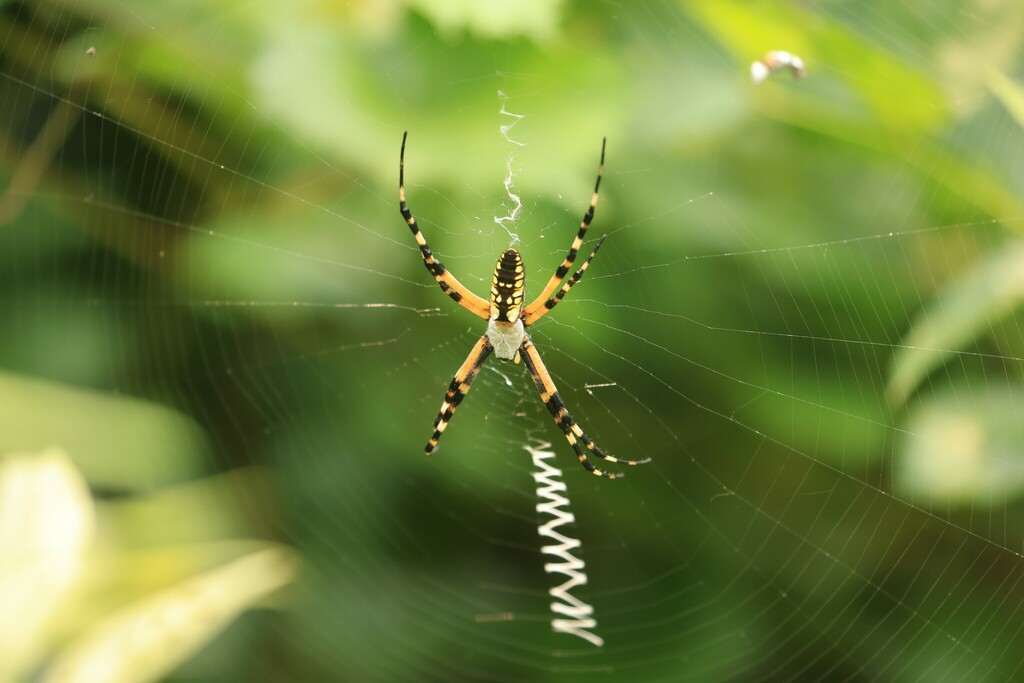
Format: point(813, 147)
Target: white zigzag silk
point(579, 619)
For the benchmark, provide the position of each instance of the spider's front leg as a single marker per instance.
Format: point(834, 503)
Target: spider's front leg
point(542, 304)
point(445, 280)
point(458, 389)
point(573, 432)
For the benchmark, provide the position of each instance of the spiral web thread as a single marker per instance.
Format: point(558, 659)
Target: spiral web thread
point(576, 616)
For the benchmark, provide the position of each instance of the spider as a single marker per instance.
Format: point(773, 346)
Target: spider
point(507, 320)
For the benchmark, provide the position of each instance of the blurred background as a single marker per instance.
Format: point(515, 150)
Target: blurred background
point(221, 354)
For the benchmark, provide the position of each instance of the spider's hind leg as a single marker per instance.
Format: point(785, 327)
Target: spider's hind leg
point(573, 432)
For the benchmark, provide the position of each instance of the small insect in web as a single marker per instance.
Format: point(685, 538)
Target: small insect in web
point(776, 61)
point(507, 319)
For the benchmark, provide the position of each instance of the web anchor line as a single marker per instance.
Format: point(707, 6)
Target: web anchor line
point(576, 616)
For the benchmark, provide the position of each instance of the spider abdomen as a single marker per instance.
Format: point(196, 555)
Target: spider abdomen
point(506, 338)
point(507, 287)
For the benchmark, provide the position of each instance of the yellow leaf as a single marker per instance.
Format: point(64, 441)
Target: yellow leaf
point(151, 637)
point(47, 523)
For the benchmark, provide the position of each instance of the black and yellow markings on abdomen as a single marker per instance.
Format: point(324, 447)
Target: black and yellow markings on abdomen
point(507, 287)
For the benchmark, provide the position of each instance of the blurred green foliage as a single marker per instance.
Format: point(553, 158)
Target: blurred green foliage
point(808, 308)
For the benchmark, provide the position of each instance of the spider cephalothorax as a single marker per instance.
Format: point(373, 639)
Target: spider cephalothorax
point(507, 320)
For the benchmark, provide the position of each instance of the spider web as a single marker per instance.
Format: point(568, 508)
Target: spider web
point(804, 313)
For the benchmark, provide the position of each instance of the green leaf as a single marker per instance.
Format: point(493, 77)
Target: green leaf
point(964, 309)
point(849, 80)
point(1010, 93)
point(118, 442)
point(537, 19)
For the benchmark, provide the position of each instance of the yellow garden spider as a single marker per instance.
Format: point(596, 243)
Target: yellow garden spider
point(507, 321)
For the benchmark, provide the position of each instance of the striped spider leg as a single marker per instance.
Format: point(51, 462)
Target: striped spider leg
point(458, 389)
point(556, 406)
point(507, 320)
point(540, 306)
point(449, 285)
